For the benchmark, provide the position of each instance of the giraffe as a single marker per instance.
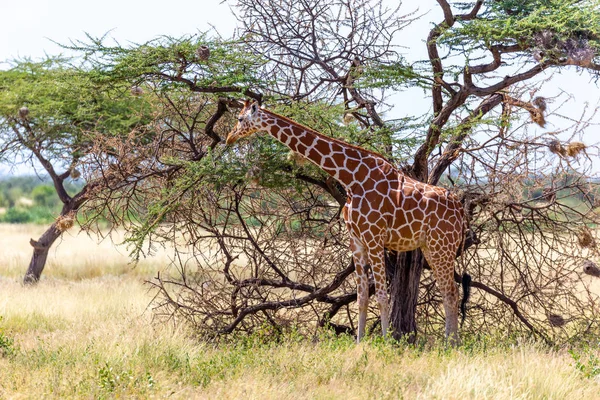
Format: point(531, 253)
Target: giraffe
point(384, 209)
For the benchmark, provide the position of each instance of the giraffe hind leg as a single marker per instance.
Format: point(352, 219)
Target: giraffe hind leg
point(442, 267)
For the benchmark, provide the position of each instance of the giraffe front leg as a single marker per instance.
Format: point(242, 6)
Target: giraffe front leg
point(362, 285)
point(362, 296)
point(377, 262)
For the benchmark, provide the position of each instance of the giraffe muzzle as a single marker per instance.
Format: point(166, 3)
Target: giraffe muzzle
point(232, 137)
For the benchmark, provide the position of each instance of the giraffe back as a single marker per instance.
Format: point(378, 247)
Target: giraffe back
point(404, 213)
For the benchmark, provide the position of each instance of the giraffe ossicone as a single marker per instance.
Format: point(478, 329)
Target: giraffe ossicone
point(384, 209)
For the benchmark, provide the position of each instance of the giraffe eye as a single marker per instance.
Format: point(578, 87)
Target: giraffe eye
point(240, 119)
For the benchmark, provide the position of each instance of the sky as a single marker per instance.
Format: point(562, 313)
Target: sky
point(31, 28)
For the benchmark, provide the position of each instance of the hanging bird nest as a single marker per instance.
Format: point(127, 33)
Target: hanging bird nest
point(585, 238)
point(556, 320)
point(590, 268)
point(254, 174)
point(536, 108)
point(64, 222)
point(137, 91)
point(348, 118)
point(23, 112)
point(540, 103)
point(557, 148)
point(574, 148)
point(549, 194)
point(203, 53)
point(538, 118)
point(75, 174)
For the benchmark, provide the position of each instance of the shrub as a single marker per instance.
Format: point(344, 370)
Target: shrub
point(586, 362)
point(16, 215)
point(7, 344)
point(44, 195)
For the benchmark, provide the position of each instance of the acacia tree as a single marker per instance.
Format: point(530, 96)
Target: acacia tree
point(264, 227)
point(50, 114)
point(320, 47)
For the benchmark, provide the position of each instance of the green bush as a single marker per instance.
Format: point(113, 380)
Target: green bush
point(46, 204)
point(37, 215)
point(45, 195)
point(586, 362)
point(7, 344)
point(3, 200)
point(43, 215)
point(16, 215)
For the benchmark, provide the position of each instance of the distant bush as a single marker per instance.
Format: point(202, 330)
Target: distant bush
point(45, 195)
point(16, 215)
point(40, 192)
point(36, 215)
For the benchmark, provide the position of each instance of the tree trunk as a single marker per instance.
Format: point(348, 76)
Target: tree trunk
point(41, 247)
point(404, 274)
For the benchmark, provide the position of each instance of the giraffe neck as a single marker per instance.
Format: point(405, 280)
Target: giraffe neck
point(342, 161)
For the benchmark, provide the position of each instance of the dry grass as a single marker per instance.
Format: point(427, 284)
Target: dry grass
point(75, 256)
point(85, 332)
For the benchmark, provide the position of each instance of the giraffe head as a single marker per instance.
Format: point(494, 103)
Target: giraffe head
point(249, 122)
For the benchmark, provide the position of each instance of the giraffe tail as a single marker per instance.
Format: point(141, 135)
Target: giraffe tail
point(466, 287)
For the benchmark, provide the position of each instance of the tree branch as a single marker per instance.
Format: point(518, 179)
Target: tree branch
point(276, 305)
point(34, 146)
point(508, 301)
point(452, 150)
point(207, 89)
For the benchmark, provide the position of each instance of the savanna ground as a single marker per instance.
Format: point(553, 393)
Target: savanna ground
point(86, 331)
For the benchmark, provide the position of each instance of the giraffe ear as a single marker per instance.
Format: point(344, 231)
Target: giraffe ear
point(253, 108)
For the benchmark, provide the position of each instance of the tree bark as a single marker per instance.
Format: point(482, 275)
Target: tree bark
point(41, 247)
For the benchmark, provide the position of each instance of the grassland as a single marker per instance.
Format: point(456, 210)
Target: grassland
point(86, 331)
